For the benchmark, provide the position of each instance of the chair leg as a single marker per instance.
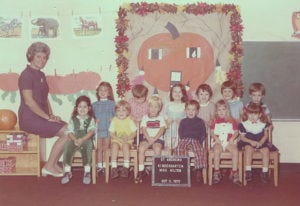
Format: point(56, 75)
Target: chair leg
point(94, 166)
point(244, 171)
point(276, 160)
point(204, 174)
point(107, 155)
point(135, 167)
point(240, 166)
point(210, 168)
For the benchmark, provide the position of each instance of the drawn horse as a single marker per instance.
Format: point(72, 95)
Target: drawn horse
point(88, 25)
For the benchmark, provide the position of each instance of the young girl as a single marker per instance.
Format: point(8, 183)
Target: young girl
point(153, 126)
point(224, 132)
point(229, 93)
point(80, 130)
point(174, 111)
point(207, 107)
point(254, 136)
point(104, 110)
point(122, 131)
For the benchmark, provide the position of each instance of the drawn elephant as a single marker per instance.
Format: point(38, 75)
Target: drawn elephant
point(47, 26)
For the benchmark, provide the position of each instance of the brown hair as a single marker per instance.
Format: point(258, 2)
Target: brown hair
point(110, 91)
point(253, 108)
point(139, 91)
point(88, 102)
point(204, 87)
point(193, 103)
point(123, 103)
point(183, 91)
point(35, 48)
point(257, 87)
point(229, 85)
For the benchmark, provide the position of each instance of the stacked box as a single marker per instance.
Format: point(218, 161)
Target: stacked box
point(7, 165)
point(15, 142)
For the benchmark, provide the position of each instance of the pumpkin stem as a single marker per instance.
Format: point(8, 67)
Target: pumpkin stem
point(173, 30)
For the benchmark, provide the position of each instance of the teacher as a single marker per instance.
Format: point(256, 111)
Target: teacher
point(35, 113)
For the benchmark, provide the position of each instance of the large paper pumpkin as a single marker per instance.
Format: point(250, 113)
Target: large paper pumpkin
point(8, 119)
point(187, 53)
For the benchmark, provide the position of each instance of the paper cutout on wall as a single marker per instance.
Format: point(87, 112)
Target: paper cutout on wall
point(44, 27)
point(10, 27)
point(9, 84)
point(86, 25)
point(296, 24)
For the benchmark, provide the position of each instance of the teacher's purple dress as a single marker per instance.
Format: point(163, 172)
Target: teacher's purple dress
point(35, 80)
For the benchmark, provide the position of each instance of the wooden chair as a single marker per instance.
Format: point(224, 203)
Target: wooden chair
point(133, 159)
point(273, 162)
point(77, 160)
point(225, 162)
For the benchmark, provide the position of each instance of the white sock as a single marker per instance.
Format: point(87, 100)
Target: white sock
point(265, 169)
point(87, 168)
point(67, 168)
point(126, 163)
point(113, 164)
point(100, 165)
point(141, 167)
point(104, 165)
point(248, 168)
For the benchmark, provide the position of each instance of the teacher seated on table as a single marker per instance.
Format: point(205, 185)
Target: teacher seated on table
point(35, 113)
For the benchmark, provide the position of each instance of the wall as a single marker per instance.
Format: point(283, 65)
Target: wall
point(263, 21)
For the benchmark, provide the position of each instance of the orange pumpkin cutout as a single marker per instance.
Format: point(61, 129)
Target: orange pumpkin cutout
point(8, 119)
point(188, 53)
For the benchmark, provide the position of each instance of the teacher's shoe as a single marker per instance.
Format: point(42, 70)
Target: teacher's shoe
point(46, 172)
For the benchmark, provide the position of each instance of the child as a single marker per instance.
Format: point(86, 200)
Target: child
point(254, 136)
point(104, 110)
point(153, 126)
point(229, 93)
point(122, 131)
point(80, 130)
point(174, 112)
point(257, 92)
point(223, 133)
point(139, 105)
point(207, 111)
point(192, 133)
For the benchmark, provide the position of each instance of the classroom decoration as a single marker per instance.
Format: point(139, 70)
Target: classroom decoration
point(296, 24)
point(86, 25)
point(44, 27)
point(10, 27)
point(14, 142)
point(178, 43)
point(8, 119)
point(9, 84)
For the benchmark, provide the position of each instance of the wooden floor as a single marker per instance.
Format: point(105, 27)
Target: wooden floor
point(44, 191)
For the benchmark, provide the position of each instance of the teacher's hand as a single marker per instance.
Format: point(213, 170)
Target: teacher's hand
point(53, 118)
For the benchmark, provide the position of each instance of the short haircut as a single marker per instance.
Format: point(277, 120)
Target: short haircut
point(139, 91)
point(123, 103)
point(35, 48)
point(257, 87)
point(155, 100)
point(204, 87)
point(229, 85)
point(193, 103)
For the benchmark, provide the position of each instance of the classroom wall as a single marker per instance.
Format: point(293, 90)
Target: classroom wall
point(266, 20)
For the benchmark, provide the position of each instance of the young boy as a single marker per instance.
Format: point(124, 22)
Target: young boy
point(229, 93)
point(192, 133)
point(122, 132)
point(138, 102)
point(257, 92)
point(153, 126)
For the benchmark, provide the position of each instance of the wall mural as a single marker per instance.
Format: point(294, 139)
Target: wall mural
point(70, 85)
point(10, 27)
point(160, 44)
point(44, 27)
point(86, 25)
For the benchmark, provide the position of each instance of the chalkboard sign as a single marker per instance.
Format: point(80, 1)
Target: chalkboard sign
point(171, 171)
point(277, 66)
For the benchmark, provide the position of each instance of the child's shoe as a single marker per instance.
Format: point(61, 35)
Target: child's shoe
point(216, 177)
point(199, 175)
point(140, 177)
point(264, 177)
point(86, 178)
point(248, 176)
point(234, 176)
point(100, 171)
point(114, 173)
point(124, 172)
point(66, 178)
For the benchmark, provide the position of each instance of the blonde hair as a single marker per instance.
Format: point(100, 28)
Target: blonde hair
point(155, 100)
point(35, 48)
point(223, 103)
point(125, 104)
